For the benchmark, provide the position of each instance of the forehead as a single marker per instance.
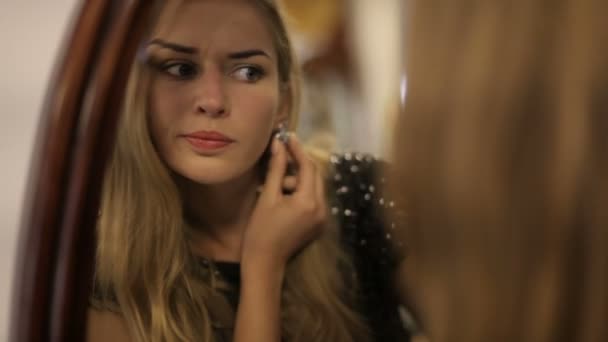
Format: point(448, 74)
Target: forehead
point(215, 24)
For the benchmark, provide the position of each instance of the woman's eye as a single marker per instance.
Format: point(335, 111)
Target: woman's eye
point(180, 70)
point(248, 73)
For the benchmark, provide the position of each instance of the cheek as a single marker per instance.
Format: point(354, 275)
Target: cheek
point(257, 109)
point(164, 109)
point(258, 119)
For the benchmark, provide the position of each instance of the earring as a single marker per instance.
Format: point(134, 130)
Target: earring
point(283, 134)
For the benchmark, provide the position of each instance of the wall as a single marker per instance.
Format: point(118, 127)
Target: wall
point(31, 32)
point(377, 25)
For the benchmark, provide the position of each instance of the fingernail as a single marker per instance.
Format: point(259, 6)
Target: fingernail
point(274, 148)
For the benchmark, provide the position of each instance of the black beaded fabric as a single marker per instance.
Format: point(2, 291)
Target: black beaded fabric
point(355, 187)
point(360, 207)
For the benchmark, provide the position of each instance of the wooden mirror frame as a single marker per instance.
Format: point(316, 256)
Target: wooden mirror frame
point(76, 132)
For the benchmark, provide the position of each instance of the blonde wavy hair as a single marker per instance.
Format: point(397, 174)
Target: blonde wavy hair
point(503, 150)
point(145, 267)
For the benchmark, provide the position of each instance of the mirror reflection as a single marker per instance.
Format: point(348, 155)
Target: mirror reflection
point(231, 209)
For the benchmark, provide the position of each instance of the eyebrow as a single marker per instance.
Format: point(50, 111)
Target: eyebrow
point(247, 54)
point(192, 50)
point(173, 46)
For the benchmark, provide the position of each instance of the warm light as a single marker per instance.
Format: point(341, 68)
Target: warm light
point(403, 89)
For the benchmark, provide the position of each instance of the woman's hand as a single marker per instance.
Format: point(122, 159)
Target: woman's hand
point(281, 224)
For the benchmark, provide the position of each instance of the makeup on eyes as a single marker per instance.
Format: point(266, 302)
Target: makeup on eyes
point(173, 67)
point(186, 69)
point(174, 60)
point(258, 71)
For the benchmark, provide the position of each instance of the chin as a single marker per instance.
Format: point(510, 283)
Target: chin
point(209, 178)
point(212, 171)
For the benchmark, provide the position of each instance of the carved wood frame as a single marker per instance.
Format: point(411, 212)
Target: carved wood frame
point(77, 130)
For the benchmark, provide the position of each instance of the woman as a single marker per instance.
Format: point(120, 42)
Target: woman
point(206, 233)
point(503, 149)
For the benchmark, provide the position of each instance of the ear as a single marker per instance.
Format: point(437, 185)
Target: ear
point(285, 105)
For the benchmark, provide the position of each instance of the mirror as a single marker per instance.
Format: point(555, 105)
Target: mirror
point(350, 88)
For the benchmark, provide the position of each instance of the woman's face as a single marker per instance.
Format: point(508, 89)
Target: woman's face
point(215, 95)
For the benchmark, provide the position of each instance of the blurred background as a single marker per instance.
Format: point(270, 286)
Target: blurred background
point(31, 33)
point(350, 50)
point(351, 53)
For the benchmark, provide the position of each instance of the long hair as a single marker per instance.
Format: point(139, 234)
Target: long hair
point(144, 263)
point(502, 148)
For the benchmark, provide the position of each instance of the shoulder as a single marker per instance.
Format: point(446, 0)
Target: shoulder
point(356, 183)
point(358, 180)
point(105, 320)
point(368, 226)
point(357, 177)
point(354, 165)
point(103, 325)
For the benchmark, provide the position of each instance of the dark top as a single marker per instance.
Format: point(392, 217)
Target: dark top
point(358, 181)
point(355, 185)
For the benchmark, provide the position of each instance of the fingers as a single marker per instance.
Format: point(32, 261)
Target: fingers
point(306, 169)
point(320, 190)
point(306, 187)
point(321, 197)
point(290, 183)
point(276, 169)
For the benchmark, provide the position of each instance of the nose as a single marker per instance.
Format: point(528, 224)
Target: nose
point(211, 96)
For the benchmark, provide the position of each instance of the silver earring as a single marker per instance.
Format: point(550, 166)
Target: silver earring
point(283, 134)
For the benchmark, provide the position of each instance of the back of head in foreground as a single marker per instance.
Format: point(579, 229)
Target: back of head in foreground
point(502, 148)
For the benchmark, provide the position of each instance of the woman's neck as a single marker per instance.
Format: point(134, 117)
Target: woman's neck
point(219, 214)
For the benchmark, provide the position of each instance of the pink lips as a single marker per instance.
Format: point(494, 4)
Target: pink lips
point(206, 141)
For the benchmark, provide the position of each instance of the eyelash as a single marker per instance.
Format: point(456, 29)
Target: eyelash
point(259, 72)
point(165, 67)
